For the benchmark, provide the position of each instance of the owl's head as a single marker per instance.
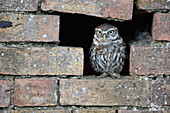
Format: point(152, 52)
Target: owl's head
point(106, 32)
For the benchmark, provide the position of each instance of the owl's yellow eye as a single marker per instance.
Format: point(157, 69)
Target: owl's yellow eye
point(99, 32)
point(111, 32)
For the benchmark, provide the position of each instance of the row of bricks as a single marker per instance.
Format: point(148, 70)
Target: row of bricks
point(45, 28)
point(85, 92)
point(120, 9)
point(144, 60)
point(81, 111)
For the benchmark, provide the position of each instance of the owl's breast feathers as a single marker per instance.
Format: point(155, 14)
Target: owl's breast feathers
point(108, 58)
point(110, 47)
point(107, 54)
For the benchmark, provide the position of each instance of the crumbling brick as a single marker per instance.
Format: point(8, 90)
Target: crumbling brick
point(18, 5)
point(29, 28)
point(160, 92)
point(149, 60)
point(103, 92)
point(5, 87)
point(35, 92)
point(41, 61)
point(153, 4)
point(117, 9)
point(161, 27)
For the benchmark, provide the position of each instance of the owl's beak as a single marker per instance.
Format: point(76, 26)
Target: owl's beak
point(104, 36)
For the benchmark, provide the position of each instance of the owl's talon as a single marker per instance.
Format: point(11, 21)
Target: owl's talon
point(115, 75)
point(103, 75)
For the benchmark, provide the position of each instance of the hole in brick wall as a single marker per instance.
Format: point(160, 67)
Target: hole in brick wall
point(78, 30)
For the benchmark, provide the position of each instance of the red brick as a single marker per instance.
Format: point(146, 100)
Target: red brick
point(153, 4)
point(94, 111)
point(160, 92)
point(119, 9)
point(143, 111)
point(103, 92)
point(149, 60)
point(34, 111)
point(161, 27)
point(41, 61)
point(5, 87)
point(30, 28)
point(18, 5)
point(35, 92)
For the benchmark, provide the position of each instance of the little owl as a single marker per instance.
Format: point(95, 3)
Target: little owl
point(107, 52)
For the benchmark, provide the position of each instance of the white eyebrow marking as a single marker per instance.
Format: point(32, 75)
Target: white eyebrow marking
point(98, 29)
point(112, 29)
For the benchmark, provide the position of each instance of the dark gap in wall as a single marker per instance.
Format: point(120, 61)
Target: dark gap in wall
point(77, 30)
point(143, 24)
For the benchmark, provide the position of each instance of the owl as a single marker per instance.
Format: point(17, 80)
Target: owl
point(107, 52)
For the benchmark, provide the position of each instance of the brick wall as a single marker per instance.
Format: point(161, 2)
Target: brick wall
point(43, 67)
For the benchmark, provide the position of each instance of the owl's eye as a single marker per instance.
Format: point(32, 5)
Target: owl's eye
point(111, 32)
point(99, 32)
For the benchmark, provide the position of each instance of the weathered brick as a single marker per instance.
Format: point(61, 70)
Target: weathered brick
point(149, 60)
point(160, 92)
point(41, 61)
point(33, 28)
point(18, 5)
point(130, 111)
point(94, 111)
point(119, 9)
point(153, 4)
point(5, 87)
point(35, 92)
point(34, 111)
point(161, 27)
point(103, 92)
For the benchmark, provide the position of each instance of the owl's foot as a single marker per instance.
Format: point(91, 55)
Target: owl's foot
point(103, 75)
point(115, 75)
